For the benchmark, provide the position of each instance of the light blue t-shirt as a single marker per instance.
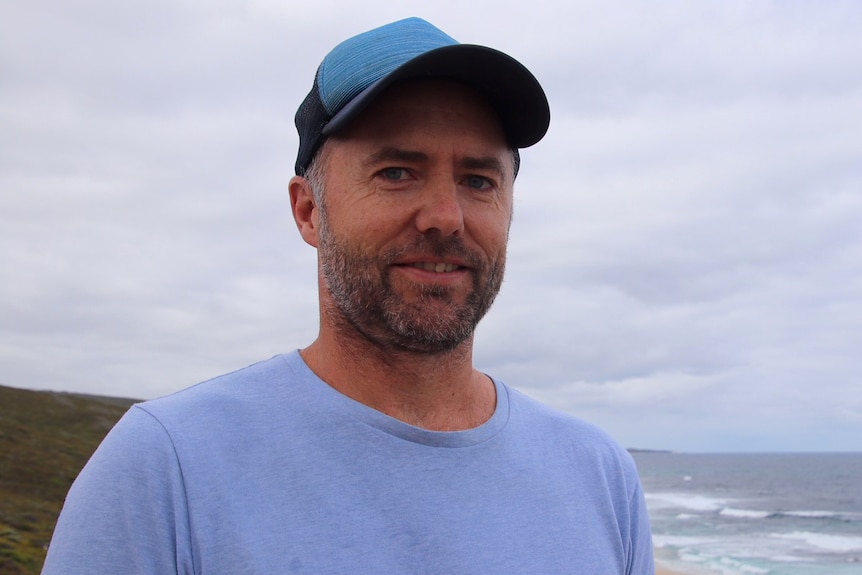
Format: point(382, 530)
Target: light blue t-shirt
point(269, 470)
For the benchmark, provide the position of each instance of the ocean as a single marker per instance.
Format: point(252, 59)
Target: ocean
point(755, 514)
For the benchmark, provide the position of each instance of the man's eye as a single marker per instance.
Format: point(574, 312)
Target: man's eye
point(478, 182)
point(393, 173)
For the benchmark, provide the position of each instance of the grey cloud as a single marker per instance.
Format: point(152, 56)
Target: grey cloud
point(684, 264)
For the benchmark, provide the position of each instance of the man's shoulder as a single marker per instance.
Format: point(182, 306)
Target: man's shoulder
point(257, 384)
point(568, 431)
point(528, 406)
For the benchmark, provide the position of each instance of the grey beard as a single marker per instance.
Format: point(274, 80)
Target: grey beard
point(362, 291)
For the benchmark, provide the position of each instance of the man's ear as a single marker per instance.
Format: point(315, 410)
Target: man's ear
point(305, 209)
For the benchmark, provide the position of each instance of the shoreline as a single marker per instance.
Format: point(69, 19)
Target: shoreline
point(661, 570)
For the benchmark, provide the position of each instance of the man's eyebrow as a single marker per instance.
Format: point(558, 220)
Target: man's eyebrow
point(392, 154)
point(489, 163)
point(398, 155)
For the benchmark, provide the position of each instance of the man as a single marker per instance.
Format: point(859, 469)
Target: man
point(378, 448)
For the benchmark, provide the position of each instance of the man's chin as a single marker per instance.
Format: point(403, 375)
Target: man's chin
point(431, 328)
point(429, 343)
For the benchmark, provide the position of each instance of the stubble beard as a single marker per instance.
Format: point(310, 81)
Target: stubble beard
point(361, 287)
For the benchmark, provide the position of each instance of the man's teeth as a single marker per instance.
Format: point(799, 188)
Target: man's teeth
point(438, 267)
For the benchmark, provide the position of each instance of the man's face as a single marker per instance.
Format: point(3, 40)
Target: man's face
point(414, 226)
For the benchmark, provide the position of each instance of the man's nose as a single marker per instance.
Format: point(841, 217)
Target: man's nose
point(441, 208)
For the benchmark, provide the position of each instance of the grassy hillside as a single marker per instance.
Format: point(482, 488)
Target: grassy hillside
point(45, 440)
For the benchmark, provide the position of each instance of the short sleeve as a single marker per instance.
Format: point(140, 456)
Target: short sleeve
point(641, 560)
point(126, 512)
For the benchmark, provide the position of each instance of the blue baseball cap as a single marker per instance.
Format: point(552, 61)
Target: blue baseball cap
point(359, 69)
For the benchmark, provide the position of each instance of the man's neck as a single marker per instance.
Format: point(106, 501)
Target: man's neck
point(439, 391)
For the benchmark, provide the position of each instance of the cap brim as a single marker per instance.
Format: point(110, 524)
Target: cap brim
point(510, 88)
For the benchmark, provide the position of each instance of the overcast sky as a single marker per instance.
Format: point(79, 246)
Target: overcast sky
point(685, 266)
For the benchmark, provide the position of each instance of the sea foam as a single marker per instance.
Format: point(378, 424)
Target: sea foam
point(744, 513)
point(684, 501)
point(824, 541)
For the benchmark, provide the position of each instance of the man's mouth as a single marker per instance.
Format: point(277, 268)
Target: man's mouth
point(439, 267)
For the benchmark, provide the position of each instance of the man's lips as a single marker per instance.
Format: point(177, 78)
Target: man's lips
point(437, 267)
point(437, 271)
